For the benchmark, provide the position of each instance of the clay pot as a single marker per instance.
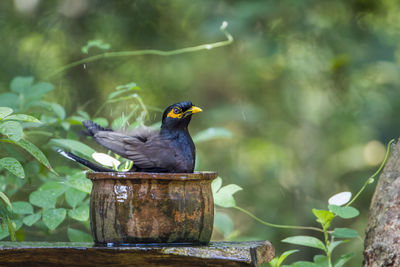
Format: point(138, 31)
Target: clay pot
point(139, 207)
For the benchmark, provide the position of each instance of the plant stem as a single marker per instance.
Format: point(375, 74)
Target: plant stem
point(368, 181)
point(11, 229)
point(277, 225)
point(328, 253)
point(148, 52)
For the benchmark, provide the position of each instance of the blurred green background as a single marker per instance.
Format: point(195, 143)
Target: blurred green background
point(309, 88)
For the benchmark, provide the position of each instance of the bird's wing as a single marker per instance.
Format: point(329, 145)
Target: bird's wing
point(156, 152)
point(145, 147)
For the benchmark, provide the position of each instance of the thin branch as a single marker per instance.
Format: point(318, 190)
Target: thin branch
point(371, 178)
point(150, 52)
point(278, 225)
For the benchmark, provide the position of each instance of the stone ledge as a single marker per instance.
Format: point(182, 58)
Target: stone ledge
point(251, 253)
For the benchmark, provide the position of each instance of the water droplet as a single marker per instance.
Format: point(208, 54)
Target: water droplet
point(244, 115)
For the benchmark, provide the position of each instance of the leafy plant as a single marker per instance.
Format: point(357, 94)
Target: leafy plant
point(44, 208)
point(339, 206)
point(11, 131)
point(27, 96)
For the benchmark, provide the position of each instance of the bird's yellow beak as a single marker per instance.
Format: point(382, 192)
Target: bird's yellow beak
point(195, 109)
point(191, 111)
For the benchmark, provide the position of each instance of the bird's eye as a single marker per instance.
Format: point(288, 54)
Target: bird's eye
point(177, 111)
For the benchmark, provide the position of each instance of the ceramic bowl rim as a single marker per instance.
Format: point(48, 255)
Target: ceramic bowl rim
point(204, 175)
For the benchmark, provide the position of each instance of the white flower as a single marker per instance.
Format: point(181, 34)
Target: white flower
point(106, 160)
point(340, 199)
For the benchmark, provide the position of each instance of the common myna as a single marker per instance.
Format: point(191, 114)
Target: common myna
point(170, 149)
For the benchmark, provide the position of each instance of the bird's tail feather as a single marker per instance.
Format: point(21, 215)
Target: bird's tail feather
point(93, 128)
point(90, 165)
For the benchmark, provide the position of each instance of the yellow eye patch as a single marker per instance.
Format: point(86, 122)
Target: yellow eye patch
point(175, 113)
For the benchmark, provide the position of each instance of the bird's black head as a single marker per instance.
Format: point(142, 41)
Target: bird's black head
point(178, 115)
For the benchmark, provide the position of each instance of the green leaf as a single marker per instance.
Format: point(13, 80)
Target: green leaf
point(31, 219)
point(21, 84)
point(216, 184)
point(10, 100)
point(308, 241)
point(101, 121)
point(344, 233)
point(39, 103)
point(344, 212)
point(22, 207)
point(47, 194)
point(95, 43)
point(334, 244)
point(12, 130)
point(223, 223)
point(83, 114)
point(74, 197)
point(128, 86)
point(274, 262)
point(302, 264)
point(58, 110)
point(211, 134)
point(13, 166)
point(53, 188)
point(38, 90)
point(324, 217)
point(321, 261)
point(35, 152)
point(78, 236)
point(53, 217)
point(285, 255)
point(80, 214)
point(5, 111)
point(74, 146)
point(22, 117)
point(224, 196)
point(342, 259)
point(38, 198)
point(80, 182)
point(48, 119)
point(5, 199)
point(75, 120)
point(65, 125)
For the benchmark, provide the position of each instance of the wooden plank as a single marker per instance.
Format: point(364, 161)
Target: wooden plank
point(87, 254)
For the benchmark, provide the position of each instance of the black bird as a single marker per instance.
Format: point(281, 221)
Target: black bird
point(170, 149)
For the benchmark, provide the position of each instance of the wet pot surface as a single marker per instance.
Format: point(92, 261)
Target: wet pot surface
point(151, 207)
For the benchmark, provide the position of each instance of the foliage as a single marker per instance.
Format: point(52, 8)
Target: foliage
point(224, 198)
point(42, 206)
point(11, 131)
